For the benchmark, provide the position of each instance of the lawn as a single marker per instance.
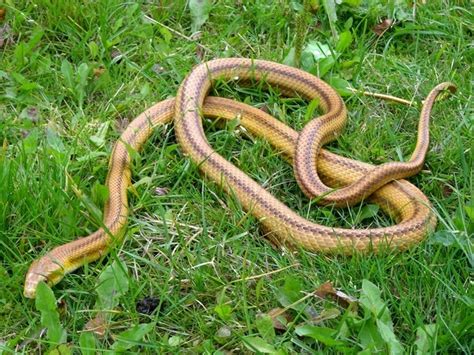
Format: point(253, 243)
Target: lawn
point(194, 272)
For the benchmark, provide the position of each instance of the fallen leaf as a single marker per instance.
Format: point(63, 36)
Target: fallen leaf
point(62, 307)
point(327, 289)
point(447, 190)
point(345, 300)
point(382, 26)
point(99, 71)
point(280, 318)
point(98, 325)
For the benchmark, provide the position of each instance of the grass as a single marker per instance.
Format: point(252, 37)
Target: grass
point(73, 73)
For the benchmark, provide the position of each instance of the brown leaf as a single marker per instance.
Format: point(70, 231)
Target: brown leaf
point(279, 318)
point(327, 290)
point(98, 325)
point(345, 300)
point(382, 26)
point(3, 12)
point(62, 307)
point(447, 190)
point(98, 72)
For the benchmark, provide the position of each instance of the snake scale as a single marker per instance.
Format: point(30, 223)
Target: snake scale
point(317, 171)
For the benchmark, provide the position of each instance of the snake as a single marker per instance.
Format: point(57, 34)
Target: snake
point(326, 177)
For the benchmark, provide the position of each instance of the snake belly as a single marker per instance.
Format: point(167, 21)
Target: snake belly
point(399, 198)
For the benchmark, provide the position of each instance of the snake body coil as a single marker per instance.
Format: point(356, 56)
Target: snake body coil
point(315, 169)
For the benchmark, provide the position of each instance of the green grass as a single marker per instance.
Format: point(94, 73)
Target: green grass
point(194, 248)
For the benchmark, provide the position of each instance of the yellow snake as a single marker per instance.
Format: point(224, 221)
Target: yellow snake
point(399, 198)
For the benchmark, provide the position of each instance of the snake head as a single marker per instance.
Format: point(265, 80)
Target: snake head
point(47, 269)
